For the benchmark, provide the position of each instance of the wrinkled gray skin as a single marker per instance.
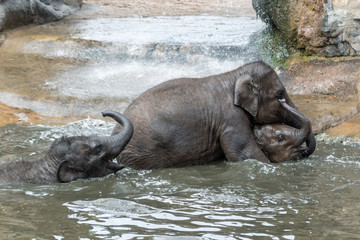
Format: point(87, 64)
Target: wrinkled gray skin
point(281, 142)
point(192, 121)
point(73, 158)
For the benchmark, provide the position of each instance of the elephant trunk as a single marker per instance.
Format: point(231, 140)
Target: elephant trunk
point(294, 122)
point(116, 143)
point(310, 145)
point(303, 133)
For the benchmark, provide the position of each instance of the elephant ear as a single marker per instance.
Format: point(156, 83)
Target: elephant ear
point(67, 173)
point(246, 94)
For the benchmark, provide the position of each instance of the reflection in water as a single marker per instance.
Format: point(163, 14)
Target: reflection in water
point(316, 197)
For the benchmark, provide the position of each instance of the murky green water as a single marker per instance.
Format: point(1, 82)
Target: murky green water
point(316, 198)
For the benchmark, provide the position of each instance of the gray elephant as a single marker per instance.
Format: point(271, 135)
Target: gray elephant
point(192, 121)
point(72, 158)
point(281, 142)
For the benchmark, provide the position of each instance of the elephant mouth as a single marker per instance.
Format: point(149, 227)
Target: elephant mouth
point(302, 148)
point(300, 151)
point(113, 166)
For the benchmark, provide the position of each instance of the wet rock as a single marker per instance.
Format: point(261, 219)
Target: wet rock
point(326, 28)
point(113, 8)
point(326, 112)
point(13, 115)
point(350, 128)
point(326, 90)
point(2, 38)
point(15, 13)
point(331, 77)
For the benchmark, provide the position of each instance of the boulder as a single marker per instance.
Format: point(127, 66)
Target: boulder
point(322, 27)
point(15, 13)
point(326, 90)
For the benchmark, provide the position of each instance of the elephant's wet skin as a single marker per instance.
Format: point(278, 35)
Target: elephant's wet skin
point(192, 121)
point(72, 158)
point(281, 142)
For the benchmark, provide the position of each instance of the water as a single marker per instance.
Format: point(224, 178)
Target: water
point(317, 197)
point(95, 64)
point(143, 52)
point(81, 67)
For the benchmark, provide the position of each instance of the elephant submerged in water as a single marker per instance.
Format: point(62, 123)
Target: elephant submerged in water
point(192, 121)
point(281, 142)
point(73, 158)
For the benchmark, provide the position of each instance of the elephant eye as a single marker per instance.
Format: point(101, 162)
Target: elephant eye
point(98, 150)
point(280, 95)
point(281, 138)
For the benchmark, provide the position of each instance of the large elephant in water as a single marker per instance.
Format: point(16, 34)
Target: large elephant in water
point(72, 158)
point(192, 121)
point(281, 142)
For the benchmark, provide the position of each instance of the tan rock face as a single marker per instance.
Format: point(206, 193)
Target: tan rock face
point(12, 115)
point(323, 77)
point(326, 91)
point(349, 128)
point(325, 28)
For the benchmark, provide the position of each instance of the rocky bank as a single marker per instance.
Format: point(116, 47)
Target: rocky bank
point(325, 89)
point(325, 67)
point(15, 13)
point(322, 27)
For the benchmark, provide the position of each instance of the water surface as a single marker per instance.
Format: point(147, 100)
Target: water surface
point(84, 66)
point(79, 67)
point(316, 197)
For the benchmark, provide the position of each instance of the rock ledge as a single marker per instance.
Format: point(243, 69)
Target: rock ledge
point(15, 13)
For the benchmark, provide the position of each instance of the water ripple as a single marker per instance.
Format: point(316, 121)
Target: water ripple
point(249, 200)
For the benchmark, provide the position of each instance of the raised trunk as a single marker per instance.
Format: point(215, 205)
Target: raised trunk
point(116, 143)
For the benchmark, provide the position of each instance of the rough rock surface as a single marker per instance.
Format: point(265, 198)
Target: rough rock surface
point(174, 7)
point(15, 13)
point(325, 90)
point(323, 27)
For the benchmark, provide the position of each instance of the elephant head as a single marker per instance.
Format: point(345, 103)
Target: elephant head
point(72, 158)
point(258, 90)
point(88, 157)
point(282, 142)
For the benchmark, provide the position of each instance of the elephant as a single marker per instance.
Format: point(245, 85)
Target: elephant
point(73, 158)
point(281, 142)
point(193, 121)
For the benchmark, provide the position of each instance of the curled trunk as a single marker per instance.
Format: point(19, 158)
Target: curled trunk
point(293, 119)
point(310, 145)
point(116, 143)
point(304, 132)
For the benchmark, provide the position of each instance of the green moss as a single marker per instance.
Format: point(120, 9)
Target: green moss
point(298, 57)
point(273, 48)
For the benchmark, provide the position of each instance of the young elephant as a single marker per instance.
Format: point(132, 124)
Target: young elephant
point(281, 142)
point(193, 121)
point(72, 158)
